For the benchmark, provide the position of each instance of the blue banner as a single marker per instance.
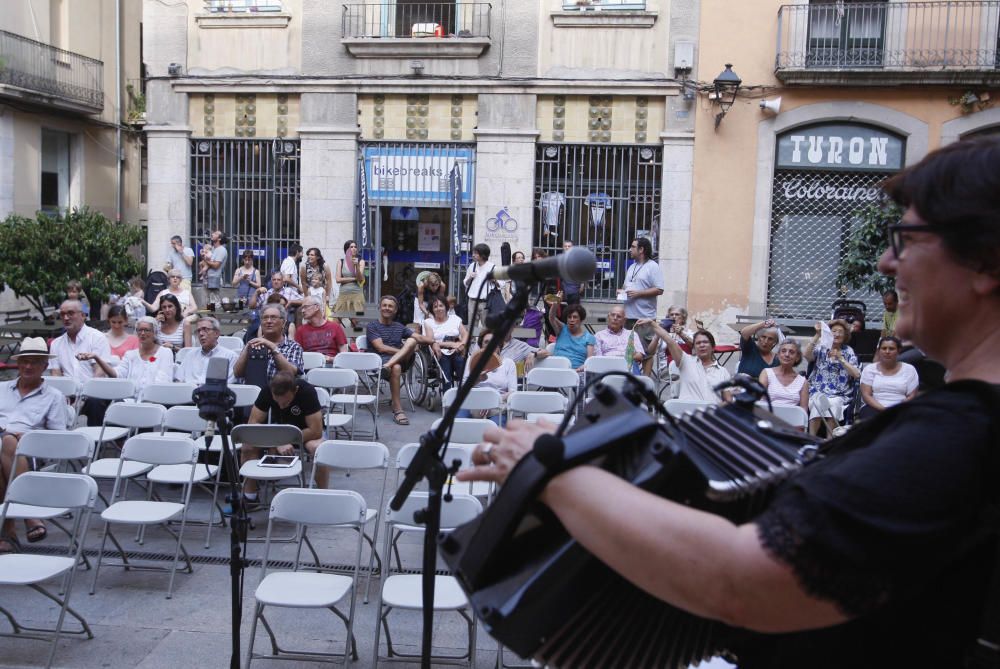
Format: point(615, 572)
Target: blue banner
point(365, 237)
point(455, 187)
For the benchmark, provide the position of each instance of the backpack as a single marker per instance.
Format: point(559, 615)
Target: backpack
point(156, 283)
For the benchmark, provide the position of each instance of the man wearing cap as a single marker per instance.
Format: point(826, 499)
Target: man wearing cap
point(70, 359)
point(26, 403)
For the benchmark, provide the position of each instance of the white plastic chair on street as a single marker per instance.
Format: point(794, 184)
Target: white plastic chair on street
point(365, 365)
point(794, 416)
point(59, 491)
point(523, 402)
point(168, 394)
point(678, 408)
point(312, 360)
point(232, 343)
point(333, 380)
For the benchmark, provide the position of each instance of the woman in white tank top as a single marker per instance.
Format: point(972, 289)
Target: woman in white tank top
point(785, 386)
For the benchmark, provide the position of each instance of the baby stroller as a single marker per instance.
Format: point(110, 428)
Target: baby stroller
point(863, 341)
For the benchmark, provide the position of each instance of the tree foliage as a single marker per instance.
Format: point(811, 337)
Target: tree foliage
point(859, 265)
point(39, 255)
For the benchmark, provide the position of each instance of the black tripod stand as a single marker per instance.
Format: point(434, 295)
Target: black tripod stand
point(428, 463)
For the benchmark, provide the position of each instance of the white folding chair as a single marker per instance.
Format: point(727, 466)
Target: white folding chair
point(184, 421)
point(183, 353)
point(467, 430)
point(64, 384)
point(58, 491)
point(678, 408)
point(246, 394)
point(312, 360)
point(600, 364)
point(112, 390)
point(232, 343)
point(365, 365)
point(168, 394)
point(336, 380)
point(351, 456)
point(553, 362)
point(58, 447)
point(128, 417)
point(265, 437)
point(566, 381)
point(478, 399)
point(301, 589)
point(403, 591)
point(794, 416)
point(361, 341)
point(150, 451)
point(535, 401)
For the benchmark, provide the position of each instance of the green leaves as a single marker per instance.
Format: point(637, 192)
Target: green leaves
point(859, 265)
point(38, 256)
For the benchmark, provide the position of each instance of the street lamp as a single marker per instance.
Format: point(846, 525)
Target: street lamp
point(726, 86)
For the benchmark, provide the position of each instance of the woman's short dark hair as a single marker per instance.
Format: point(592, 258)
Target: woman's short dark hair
point(704, 333)
point(167, 297)
point(957, 189)
point(575, 309)
point(431, 303)
point(117, 311)
point(892, 338)
point(538, 253)
point(483, 250)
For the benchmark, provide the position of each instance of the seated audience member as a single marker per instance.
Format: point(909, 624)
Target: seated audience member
point(134, 302)
point(278, 287)
point(271, 352)
point(68, 360)
point(834, 375)
point(757, 342)
point(617, 341)
point(699, 373)
point(500, 375)
point(890, 300)
point(888, 381)
point(522, 353)
point(573, 341)
point(26, 403)
point(195, 366)
point(119, 340)
point(288, 401)
point(396, 344)
point(449, 335)
point(785, 386)
point(174, 332)
point(184, 297)
point(149, 363)
point(317, 334)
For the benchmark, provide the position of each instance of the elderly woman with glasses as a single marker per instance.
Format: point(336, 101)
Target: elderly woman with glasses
point(880, 552)
point(150, 363)
point(184, 297)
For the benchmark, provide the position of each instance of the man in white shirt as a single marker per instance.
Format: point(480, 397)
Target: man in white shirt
point(476, 276)
point(69, 360)
point(181, 259)
point(290, 266)
point(195, 365)
point(27, 403)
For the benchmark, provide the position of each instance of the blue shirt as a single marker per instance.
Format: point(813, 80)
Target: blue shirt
point(574, 348)
point(392, 335)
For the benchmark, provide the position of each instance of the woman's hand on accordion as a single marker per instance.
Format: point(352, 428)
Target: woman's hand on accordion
point(502, 449)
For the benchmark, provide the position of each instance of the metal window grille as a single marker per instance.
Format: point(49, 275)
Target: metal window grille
point(248, 188)
point(395, 190)
point(600, 197)
point(812, 216)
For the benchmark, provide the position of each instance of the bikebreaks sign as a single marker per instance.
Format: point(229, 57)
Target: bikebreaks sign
point(414, 174)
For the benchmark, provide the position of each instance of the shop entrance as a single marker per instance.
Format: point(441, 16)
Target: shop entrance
point(415, 239)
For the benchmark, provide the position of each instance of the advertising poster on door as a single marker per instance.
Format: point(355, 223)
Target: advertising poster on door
point(429, 237)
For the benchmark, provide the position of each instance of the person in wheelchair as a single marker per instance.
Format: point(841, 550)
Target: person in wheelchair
point(448, 335)
point(396, 344)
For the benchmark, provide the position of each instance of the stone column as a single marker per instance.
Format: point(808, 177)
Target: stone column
point(329, 138)
point(6, 162)
point(505, 169)
point(169, 200)
point(675, 217)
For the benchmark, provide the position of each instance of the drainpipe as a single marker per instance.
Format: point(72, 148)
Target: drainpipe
point(118, 111)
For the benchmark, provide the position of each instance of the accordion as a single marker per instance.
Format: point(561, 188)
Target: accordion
point(542, 595)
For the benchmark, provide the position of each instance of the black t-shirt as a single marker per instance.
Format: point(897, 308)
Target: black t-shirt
point(891, 528)
point(306, 403)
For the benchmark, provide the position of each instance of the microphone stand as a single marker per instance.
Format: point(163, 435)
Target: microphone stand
point(428, 463)
point(237, 535)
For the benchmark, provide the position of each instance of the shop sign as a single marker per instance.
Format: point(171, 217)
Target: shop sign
point(840, 147)
point(417, 173)
point(815, 187)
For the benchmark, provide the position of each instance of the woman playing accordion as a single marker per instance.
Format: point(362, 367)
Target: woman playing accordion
point(880, 554)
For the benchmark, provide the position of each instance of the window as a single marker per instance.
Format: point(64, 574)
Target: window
point(55, 177)
point(242, 5)
point(846, 34)
point(604, 4)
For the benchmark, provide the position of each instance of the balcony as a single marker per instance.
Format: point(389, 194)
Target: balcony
point(38, 73)
point(404, 29)
point(889, 43)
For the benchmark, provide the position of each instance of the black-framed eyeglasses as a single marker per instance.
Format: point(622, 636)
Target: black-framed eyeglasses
point(896, 231)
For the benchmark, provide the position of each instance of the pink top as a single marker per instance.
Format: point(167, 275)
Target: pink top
point(131, 342)
point(780, 394)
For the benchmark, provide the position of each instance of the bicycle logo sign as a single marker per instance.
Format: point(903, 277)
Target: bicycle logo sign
point(502, 221)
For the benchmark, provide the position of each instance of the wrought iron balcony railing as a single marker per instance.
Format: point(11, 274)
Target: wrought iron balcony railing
point(402, 19)
point(35, 68)
point(918, 41)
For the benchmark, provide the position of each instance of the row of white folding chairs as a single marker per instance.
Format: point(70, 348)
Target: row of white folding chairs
point(793, 415)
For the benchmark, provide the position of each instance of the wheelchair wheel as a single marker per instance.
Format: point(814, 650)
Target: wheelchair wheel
point(416, 377)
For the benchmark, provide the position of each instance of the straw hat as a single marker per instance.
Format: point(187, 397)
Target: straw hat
point(33, 347)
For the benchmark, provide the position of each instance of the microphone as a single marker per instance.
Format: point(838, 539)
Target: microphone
point(576, 265)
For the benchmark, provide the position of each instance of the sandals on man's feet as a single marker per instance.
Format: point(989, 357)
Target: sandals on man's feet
point(9, 544)
point(36, 533)
point(399, 418)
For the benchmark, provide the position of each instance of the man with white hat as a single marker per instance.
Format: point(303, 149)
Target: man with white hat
point(69, 353)
point(26, 403)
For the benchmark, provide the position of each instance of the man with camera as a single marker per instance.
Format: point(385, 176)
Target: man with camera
point(271, 352)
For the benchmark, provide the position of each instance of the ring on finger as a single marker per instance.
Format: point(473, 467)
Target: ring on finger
point(488, 450)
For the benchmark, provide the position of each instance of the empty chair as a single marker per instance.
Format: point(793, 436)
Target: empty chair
point(553, 362)
point(524, 402)
point(467, 430)
point(348, 456)
point(48, 490)
point(333, 380)
point(678, 408)
point(566, 381)
point(333, 509)
point(112, 390)
point(478, 399)
point(64, 384)
point(403, 591)
point(150, 451)
point(125, 417)
point(312, 360)
point(232, 343)
point(168, 394)
point(366, 366)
